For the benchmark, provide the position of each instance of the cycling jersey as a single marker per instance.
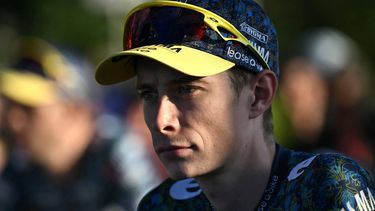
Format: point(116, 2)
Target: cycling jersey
point(298, 181)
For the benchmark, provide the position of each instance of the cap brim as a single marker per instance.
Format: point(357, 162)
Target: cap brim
point(27, 88)
point(190, 61)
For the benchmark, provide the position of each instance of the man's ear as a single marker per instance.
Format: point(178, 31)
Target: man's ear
point(264, 86)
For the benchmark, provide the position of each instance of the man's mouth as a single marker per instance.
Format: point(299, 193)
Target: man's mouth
point(174, 150)
point(171, 148)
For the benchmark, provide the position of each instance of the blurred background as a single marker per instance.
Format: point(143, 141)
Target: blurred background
point(94, 27)
point(326, 99)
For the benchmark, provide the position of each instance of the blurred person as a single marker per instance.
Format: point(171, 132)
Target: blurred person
point(323, 92)
point(207, 73)
point(56, 160)
point(301, 105)
point(3, 144)
point(122, 120)
point(4, 151)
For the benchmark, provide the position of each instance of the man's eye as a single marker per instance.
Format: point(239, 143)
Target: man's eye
point(185, 90)
point(147, 95)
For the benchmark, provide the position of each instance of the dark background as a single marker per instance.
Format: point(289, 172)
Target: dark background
point(93, 27)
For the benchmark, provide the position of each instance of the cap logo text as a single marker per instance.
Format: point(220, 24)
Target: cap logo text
point(150, 48)
point(265, 54)
point(254, 33)
point(232, 53)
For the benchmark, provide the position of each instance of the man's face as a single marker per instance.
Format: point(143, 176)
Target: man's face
point(197, 124)
point(38, 125)
point(49, 133)
point(46, 124)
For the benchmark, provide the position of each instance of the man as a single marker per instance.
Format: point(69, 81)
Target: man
point(207, 72)
point(56, 161)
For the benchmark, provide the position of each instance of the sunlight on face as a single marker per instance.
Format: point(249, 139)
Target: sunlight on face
point(194, 122)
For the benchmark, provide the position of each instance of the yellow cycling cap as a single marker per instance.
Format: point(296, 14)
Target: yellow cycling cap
point(195, 38)
point(120, 67)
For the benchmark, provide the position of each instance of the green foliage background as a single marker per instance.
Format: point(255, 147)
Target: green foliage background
point(354, 18)
point(71, 23)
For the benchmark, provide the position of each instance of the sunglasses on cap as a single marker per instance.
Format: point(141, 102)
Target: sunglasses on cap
point(171, 22)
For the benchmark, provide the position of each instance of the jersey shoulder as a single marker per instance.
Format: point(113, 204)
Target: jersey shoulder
point(337, 171)
point(330, 181)
point(175, 195)
point(345, 182)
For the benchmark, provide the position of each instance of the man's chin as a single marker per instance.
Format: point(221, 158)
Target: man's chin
point(179, 175)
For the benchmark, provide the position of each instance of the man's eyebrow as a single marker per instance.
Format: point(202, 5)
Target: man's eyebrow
point(182, 80)
point(185, 80)
point(143, 86)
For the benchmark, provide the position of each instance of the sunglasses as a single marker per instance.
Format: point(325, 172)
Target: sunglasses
point(171, 22)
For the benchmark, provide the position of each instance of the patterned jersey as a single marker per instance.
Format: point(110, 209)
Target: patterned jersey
point(298, 181)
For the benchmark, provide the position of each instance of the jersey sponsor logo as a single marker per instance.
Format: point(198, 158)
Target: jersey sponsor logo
point(254, 33)
point(365, 202)
point(297, 170)
point(268, 193)
point(185, 189)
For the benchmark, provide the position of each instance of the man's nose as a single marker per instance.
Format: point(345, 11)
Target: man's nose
point(167, 121)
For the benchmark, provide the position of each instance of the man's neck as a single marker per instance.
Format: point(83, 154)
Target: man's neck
point(241, 184)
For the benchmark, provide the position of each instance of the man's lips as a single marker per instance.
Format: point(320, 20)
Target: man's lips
point(173, 148)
